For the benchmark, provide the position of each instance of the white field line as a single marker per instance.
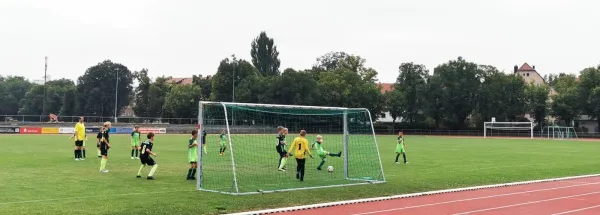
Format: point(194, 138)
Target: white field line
point(89, 197)
point(526, 203)
point(357, 201)
point(577, 210)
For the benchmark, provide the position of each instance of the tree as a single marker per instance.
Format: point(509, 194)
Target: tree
point(537, 102)
point(157, 94)
point(141, 99)
point(182, 101)
point(564, 82)
point(435, 95)
point(394, 103)
point(565, 105)
point(223, 81)
point(68, 102)
point(295, 87)
point(33, 103)
point(205, 85)
point(96, 89)
point(501, 96)
point(411, 85)
point(265, 56)
point(15, 88)
point(589, 79)
point(594, 103)
point(461, 80)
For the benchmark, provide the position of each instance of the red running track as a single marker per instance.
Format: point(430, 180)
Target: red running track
point(578, 196)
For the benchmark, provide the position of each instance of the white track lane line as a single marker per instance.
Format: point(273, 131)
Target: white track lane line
point(475, 198)
point(526, 203)
point(577, 210)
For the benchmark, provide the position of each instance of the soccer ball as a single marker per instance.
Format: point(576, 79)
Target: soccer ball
point(330, 169)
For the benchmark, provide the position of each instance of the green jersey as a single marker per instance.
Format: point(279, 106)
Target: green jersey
point(400, 145)
point(319, 147)
point(135, 138)
point(193, 151)
point(223, 139)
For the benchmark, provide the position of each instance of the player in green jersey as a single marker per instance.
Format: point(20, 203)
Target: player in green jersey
point(135, 142)
point(193, 155)
point(400, 148)
point(223, 144)
point(321, 152)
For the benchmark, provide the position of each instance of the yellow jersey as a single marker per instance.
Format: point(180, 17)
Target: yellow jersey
point(300, 144)
point(80, 131)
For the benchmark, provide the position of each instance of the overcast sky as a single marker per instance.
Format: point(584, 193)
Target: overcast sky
point(180, 38)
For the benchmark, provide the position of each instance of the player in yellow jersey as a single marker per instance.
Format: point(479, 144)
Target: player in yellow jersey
point(300, 148)
point(79, 135)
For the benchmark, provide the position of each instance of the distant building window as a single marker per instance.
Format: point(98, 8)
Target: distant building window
point(527, 74)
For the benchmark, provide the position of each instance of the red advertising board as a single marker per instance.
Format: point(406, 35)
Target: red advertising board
point(30, 130)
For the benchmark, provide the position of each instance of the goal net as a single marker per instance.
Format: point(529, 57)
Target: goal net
point(560, 132)
point(250, 162)
point(508, 129)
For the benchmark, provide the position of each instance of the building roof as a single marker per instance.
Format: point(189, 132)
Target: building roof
point(386, 87)
point(184, 81)
point(526, 67)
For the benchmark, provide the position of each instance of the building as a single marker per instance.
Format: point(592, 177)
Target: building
point(530, 75)
point(182, 81)
point(386, 116)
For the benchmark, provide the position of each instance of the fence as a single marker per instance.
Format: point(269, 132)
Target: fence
point(96, 119)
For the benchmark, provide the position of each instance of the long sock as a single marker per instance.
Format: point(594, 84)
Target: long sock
point(397, 156)
point(140, 171)
point(189, 175)
point(103, 164)
point(153, 170)
point(194, 173)
point(321, 164)
point(132, 151)
point(404, 156)
point(136, 153)
point(79, 154)
point(75, 152)
point(98, 152)
point(83, 153)
point(204, 148)
point(302, 172)
point(279, 164)
point(282, 162)
point(339, 154)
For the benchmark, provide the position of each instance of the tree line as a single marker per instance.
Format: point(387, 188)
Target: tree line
point(457, 94)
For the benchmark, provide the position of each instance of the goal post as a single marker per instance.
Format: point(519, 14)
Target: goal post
point(560, 132)
point(508, 129)
point(250, 162)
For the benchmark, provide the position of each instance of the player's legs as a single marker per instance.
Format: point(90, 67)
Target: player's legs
point(302, 165)
point(192, 171)
point(339, 154)
point(154, 166)
point(75, 152)
point(397, 156)
point(104, 153)
point(83, 152)
point(98, 150)
point(144, 162)
point(204, 148)
point(323, 157)
point(298, 168)
point(133, 150)
point(282, 161)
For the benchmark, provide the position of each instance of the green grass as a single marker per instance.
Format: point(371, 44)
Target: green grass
point(39, 175)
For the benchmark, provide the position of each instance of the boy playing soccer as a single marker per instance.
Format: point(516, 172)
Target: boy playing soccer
point(223, 139)
point(193, 155)
point(135, 142)
point(145, 152)
point(400, 148)
point(280, 147)
point(204, 141)
point(321, 152)
point(300, 145)
point(104, 146)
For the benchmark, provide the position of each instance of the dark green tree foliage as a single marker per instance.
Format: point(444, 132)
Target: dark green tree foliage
point(395, 103)
point(564, 82)
point(265, 56)
point(68, 102)
point(205, 84)
point(589, 80)
point(12, 91)
point(461, 81)
point(96, 89)
point(411, 86)
point(343, 80)
point(157, 94)
point(182, 101)
point(565, 105)
point(501, 96)
point(295, 87)
point(141, 99)
point(537, 102)
point(222, 81)
point(435, 95)
point(33, 103)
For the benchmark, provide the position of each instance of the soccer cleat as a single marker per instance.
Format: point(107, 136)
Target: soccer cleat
point(297, 176)
point(81, 159)
point(150, 178)
point(193, 178)
point(138, 176)
point(132, 158)
point(283, 170)
point(137, 158)
point(104, 171)
point(76, 159)
point(406, 162)
point(319, 169)
point(397, 163)
point(99, 156)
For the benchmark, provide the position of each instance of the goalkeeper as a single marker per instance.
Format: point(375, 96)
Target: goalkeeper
point(321, 152)
point(400, 148)
point(300, 145)
point(280, 147)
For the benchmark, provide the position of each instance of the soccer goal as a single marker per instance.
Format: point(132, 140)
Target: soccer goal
point(506, 129)
point(560, 132)
point(250, 163)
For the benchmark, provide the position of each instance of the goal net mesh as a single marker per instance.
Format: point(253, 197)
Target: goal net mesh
point(250, 161)
point(508, 129)
point(559, 132)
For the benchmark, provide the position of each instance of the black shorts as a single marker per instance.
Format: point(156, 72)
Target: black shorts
point(147, 160)
point(79, 143)
point(104, 149)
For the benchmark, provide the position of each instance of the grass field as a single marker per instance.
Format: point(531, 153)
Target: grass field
point(39, 176)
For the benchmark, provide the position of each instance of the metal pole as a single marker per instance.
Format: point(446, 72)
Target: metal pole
point(45, 75)
point(116, 94)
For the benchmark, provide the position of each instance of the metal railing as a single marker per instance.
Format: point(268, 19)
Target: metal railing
point(98, 119)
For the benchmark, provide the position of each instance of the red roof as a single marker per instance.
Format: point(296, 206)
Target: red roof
point(184, 81)
point(385, 87)
point(526, 67)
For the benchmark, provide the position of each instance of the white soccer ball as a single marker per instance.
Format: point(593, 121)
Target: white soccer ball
point(330, 169)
